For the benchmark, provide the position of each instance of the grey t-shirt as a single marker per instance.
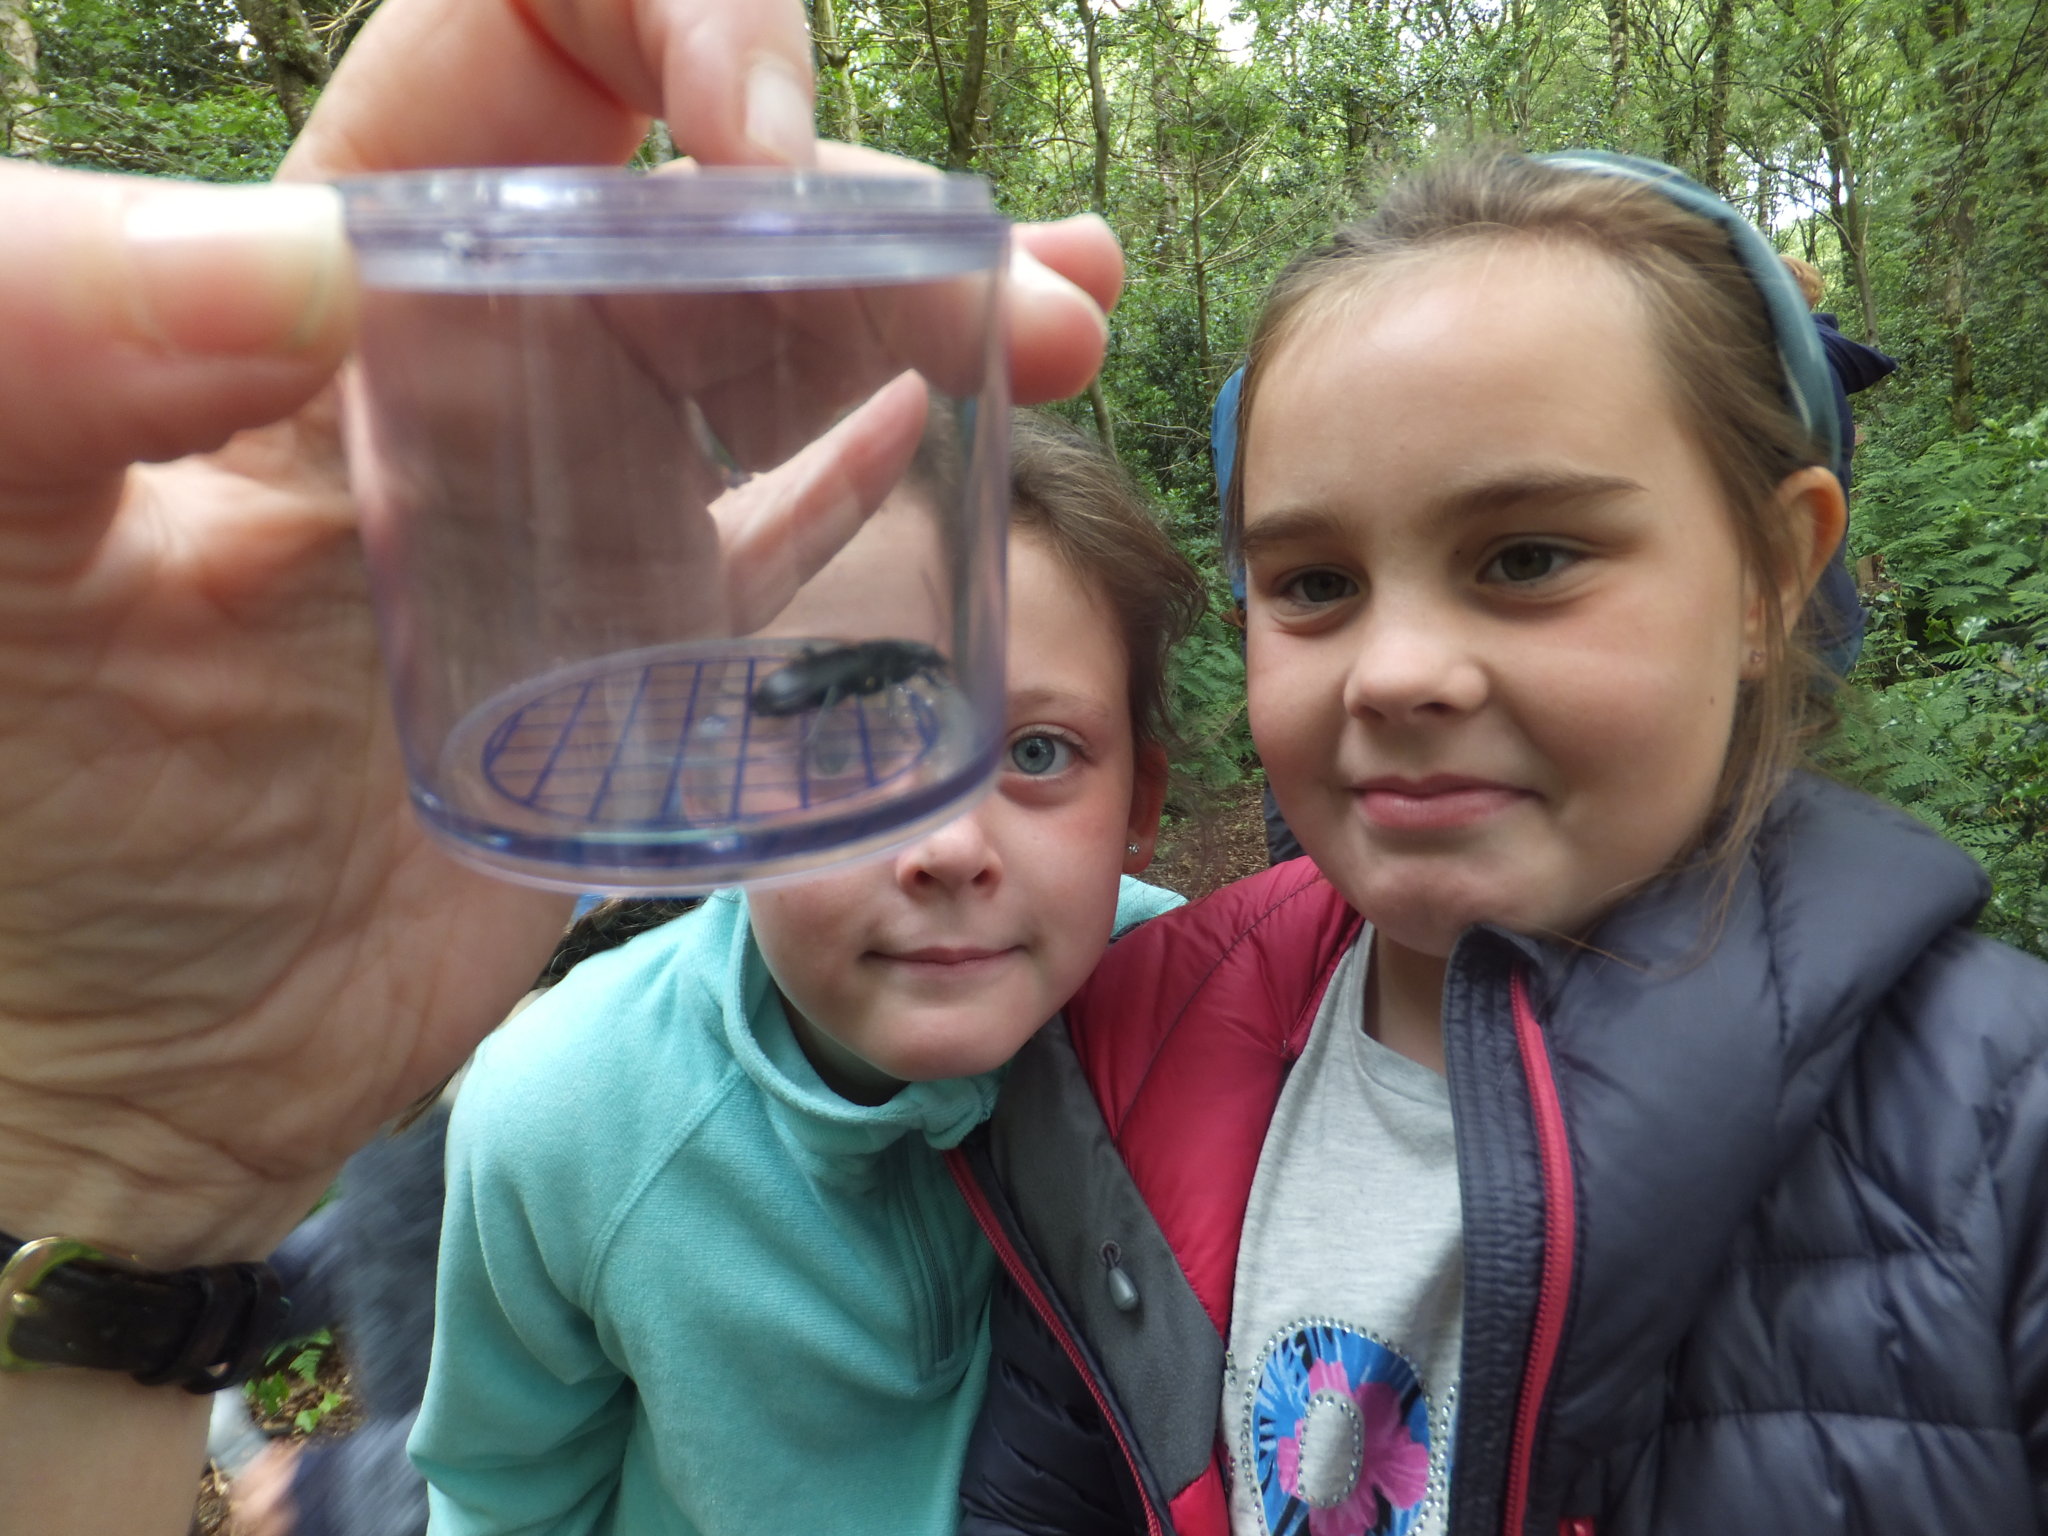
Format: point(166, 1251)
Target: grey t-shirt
point(1341, 1381)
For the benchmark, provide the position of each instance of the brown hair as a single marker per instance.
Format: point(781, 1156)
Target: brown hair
point(1811, 284)
point(1069, 492)
point(1711, 331)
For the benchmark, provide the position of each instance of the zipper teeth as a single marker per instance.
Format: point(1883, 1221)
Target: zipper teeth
point(1560, 1224)
point(1007, 1252)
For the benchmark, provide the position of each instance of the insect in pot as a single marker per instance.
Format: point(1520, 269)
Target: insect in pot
point(818, 679)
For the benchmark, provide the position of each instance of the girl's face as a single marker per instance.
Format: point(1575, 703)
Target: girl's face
point(943, 959)
point(1497, 613)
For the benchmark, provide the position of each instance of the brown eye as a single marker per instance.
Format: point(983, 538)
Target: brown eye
point(1523, 563)
point(1320, 587)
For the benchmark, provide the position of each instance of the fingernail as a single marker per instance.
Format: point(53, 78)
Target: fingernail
point(778, 107)
point(1029, 275)
point(236, 271)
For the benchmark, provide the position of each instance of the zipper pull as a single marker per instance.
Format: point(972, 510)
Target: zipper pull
point(1123, 1291)
point(1575, 1525)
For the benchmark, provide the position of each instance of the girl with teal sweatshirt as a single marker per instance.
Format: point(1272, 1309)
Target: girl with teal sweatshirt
point(703, 1269)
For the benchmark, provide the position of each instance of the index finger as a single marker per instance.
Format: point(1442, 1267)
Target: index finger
point(525, 82)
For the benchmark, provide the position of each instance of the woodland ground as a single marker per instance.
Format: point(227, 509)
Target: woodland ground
point(301, 1395)
point(1224, 841)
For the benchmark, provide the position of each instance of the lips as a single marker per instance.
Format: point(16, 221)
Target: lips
point(945, 965)
point(944, 954)
point(1440, 803)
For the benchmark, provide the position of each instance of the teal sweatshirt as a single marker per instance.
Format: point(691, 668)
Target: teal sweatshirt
point(685, 1288)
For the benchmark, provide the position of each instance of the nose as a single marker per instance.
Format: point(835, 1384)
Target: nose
point(1416, 661)
point(959, 856)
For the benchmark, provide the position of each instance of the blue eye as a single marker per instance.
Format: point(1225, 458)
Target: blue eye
point(1038, 754)
point(1520, 564)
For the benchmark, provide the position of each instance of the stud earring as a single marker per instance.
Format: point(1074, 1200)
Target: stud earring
point(1130, 847)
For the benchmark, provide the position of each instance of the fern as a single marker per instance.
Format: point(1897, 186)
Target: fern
point(1950, 716)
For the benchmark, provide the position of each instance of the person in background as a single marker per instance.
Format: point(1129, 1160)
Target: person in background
point(1852, 368)
point(364, 1265)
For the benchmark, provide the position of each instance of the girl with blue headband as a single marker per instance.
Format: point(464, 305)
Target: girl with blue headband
point(1610, 1126)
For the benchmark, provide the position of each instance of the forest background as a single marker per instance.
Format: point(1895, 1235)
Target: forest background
point(1901, 145)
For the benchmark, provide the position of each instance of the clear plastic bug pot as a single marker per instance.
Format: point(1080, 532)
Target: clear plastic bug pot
point(684, 504)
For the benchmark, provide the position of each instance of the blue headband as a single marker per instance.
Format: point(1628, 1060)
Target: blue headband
point(1807, 387)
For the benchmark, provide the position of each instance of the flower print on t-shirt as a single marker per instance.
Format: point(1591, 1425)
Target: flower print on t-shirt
point(1340, 1436)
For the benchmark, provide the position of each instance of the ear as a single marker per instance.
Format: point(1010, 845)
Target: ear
point(1148, 799)
point(1811, 502)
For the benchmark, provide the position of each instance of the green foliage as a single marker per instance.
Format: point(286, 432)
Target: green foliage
point(153, 85)
point(1954, 721)
point(1902, 145)
point(306, 1420)
point(294, 1377)
point(1209, 705)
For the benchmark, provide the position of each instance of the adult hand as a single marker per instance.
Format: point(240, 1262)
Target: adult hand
point(260, 1496)
point(226, 950)
point(227, 953)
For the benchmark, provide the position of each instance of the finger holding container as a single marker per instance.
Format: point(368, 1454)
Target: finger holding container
point(229, 950)
point(212, 855)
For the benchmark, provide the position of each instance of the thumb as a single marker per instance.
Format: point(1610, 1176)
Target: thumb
point(145, 320)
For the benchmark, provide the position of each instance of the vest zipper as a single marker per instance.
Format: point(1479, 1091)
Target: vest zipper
point(977, 1202)
point(1560, 1234)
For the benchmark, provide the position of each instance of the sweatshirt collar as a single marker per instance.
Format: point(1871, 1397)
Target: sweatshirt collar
point(837, 1133)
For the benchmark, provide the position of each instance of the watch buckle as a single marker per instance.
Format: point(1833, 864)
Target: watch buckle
point(30, 1265)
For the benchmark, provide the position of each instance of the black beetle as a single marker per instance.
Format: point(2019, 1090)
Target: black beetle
point(818, 679)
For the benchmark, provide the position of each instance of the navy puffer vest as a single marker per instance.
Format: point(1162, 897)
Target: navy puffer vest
point(1756, 1209)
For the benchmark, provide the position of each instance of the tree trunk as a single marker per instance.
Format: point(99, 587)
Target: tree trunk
point(1720, 70)
point(18, 91)
point(1358, 118)
point(1098, 110)
point(1845, 196)
point(1522, 46)
point(1098, 194)
point(17, 78)
point(1955, 319)
point(1177, 104)
point(1201, 270)
point(1105, 424)
point(1617, 63)
point(1954, 209)
point(290, 53)
point(962, 105)
point(836, 57)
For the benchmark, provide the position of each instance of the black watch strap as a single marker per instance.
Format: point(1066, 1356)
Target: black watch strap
point(66, 1302)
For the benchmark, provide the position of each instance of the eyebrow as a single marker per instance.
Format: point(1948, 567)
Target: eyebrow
point(1533, 487)
point(1031, 701)
point(1294, 525)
